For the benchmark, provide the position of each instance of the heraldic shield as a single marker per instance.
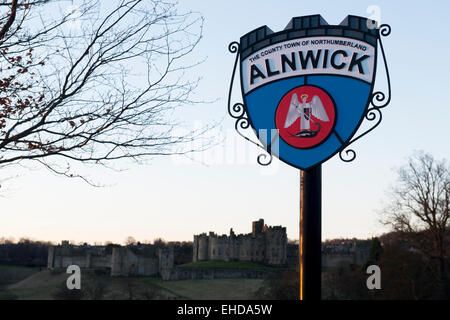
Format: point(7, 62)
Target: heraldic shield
point(306, 89)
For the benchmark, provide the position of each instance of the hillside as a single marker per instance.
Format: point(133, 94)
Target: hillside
point(48, 285)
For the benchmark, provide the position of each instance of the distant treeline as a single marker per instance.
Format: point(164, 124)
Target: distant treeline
point(25, 252)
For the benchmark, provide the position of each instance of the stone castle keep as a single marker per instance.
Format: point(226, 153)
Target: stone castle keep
point(265, 244)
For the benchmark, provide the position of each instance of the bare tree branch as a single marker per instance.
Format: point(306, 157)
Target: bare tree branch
point(12, 17)
point(98, 88)
point(420, 205)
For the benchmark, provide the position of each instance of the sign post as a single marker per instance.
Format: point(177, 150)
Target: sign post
point(306, 90)
point(310, 233)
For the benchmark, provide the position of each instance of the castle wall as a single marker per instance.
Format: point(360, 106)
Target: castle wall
point(259, 248)
point(126, 263)
point(57, 262)
point(101, 261)
point(122, 261)
point(276, 242)
point(62, 257)
point(245, 248)
point(232, 247)
point(147, 266)
point(80, 261)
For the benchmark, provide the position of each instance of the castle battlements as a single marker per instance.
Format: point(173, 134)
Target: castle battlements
point(264, 244)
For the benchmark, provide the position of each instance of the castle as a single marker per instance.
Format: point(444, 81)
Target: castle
point(139, 260)
point(264, 244)
point(267, 245)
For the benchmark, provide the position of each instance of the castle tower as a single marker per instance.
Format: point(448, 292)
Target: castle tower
point(195, 249)
point(276, 246)
point(203, 247)
point(51, 257)
point(117, 262)
point(232, 250)
point(165, 258)
point(257, 226)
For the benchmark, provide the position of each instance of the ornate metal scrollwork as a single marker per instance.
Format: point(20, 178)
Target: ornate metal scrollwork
point(378, 100)
point(237, 111)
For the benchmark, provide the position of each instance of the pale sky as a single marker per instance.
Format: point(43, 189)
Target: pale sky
point(174, 198)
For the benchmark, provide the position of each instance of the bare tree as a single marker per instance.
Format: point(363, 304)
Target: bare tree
point(130, 241)
point(160, 243)
point(420, 207)
point(94, 84)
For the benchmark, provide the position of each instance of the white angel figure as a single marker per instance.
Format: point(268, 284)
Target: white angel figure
point(304, 110)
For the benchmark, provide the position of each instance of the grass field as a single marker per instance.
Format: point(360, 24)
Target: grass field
point(215, 289)
point(46, 285)
point(13, 274)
